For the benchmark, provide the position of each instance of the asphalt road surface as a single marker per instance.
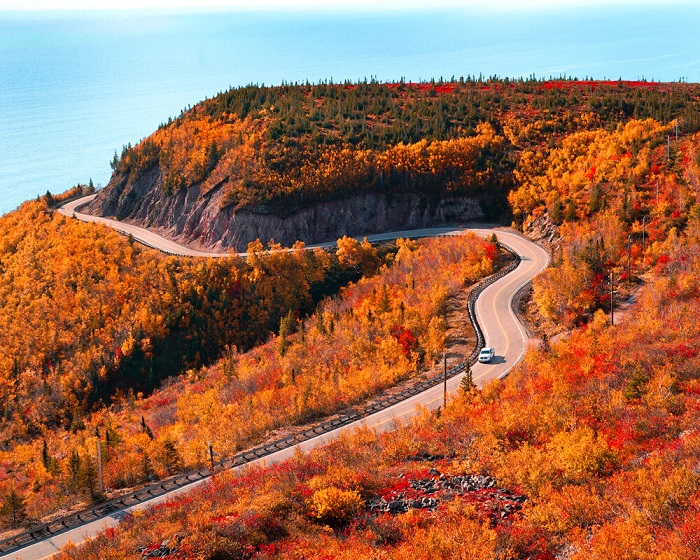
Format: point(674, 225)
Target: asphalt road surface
point(495, 314)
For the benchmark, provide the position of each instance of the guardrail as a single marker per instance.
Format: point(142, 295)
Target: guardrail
point(48, 530)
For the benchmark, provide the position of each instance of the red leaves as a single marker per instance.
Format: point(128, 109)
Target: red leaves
point(622, 432)
point(491, 251)
point(445, 88)
point(224, 519)
point(401, 486)
point(173, 503)
point(407, 340)
point(595, 84)
point(234, 290)
point(683, 350)
point(526, 541)
point(661, 263)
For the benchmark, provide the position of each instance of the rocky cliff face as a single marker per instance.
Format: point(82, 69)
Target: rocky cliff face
point(201, 222)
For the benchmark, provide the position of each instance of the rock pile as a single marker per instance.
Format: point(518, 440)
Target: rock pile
point(427, 492)
point(166, 548)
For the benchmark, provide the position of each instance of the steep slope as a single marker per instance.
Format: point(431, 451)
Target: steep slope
point(317, 162)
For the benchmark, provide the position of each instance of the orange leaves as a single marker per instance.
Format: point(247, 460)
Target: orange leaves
point(456, 158)
point(362, 257)
point(586, 166)
point(559, 290)
point(334, 506)
point(620, 540)
point(580, 454)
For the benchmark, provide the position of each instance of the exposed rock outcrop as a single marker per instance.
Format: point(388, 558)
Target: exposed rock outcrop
point(204, 222)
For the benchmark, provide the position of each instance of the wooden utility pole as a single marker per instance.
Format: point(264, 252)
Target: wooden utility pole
point(211, 458)
point(99, 462)
point(444, 384)
point(629, 257)
point(612, 297)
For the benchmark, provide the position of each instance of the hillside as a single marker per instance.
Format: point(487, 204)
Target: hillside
point(161, 318)
point(588, 449)
point(315, 162)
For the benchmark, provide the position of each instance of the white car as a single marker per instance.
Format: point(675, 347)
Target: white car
point(486, 355)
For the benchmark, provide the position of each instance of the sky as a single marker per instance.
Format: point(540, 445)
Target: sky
point(258, 5)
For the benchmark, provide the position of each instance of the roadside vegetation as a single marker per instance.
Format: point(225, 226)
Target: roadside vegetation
point(588, 450)
point(72, 381)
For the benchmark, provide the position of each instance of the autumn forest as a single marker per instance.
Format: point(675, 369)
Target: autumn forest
point(588, 449)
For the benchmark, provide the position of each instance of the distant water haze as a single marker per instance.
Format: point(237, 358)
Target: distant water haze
point(75, 87)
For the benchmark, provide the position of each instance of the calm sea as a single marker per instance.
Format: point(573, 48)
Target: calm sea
point(73, 88)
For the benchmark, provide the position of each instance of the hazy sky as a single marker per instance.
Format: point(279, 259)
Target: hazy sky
point(510, 5)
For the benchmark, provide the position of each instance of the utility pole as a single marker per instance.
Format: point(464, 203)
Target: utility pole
point(99, 461)
point(629, 257)
point(211, 458)
point(444, 384)
point(612, 297)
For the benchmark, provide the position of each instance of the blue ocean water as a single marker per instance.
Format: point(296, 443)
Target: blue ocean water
point(75, 87)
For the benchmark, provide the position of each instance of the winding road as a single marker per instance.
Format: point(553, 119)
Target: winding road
point(494, 312)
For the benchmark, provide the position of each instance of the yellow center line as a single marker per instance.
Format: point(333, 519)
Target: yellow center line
point(498, 318)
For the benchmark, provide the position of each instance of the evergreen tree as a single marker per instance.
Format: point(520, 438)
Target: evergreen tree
point(87, 477)
point(74, 465)
point(147, 472)
point(172, 459)
point(467, 385)
point(286, 328)
point(45, 457)
point(14, 506)
point(114, 164)
point(145, 429)
point(112, 438)
point(50, 463)
point(320, 325)
point(570, 211)
point(384, 303)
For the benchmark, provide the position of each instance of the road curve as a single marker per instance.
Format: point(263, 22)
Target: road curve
point(494, 312)
point(143, 235)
